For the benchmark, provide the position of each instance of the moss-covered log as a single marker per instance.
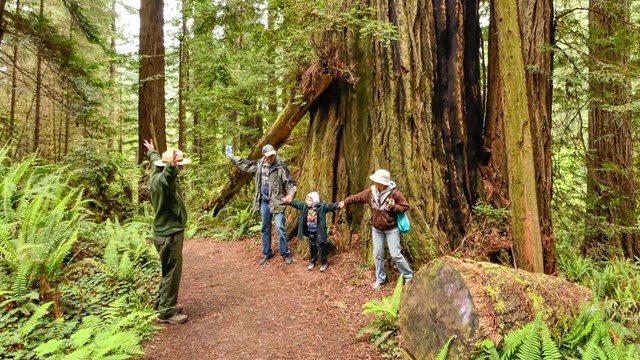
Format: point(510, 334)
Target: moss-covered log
point(478, 300)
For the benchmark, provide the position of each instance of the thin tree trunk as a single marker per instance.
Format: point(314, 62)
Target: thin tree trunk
point(151, 108)
point(182, 78)
point(14, 82)
point(611, 187)
point(114, 109)
point(525, 222)
point(38, 119)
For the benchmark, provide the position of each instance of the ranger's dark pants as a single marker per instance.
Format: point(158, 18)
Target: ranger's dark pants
point(170, 250)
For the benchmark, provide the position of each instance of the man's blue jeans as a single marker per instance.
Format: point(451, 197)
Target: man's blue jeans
point(266, 231)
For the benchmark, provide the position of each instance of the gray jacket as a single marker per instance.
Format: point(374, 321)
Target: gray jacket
point(281, 182)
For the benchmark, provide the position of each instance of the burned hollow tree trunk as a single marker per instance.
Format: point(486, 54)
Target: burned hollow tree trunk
point(415, 111)
point(483, 300)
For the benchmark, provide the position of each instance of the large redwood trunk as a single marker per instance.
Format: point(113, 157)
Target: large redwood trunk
point(535, 25)
point(415, 111)
point(151, 116)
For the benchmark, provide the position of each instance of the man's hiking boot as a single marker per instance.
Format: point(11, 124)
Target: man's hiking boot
point(175, 319)
point(265, 259)
point(323, 267)
point(288, 260)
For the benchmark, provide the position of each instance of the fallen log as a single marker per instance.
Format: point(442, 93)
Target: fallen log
point(315, 81)
point(476, 301)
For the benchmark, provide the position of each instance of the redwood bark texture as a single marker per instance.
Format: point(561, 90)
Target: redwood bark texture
point(483, 300)
point(151, 116)
point(535, 25)
point(611, 184)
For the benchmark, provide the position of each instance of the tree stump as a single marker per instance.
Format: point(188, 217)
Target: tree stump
point(478, 300)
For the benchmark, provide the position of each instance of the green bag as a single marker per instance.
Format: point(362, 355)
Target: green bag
point(403, 223)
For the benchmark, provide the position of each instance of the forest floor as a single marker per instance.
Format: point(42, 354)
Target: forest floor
point(240, 310)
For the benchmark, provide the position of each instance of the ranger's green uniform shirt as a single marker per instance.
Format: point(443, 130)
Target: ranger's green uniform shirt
point(166, 198)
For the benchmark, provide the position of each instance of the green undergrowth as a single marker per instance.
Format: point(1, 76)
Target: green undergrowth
point(70, 287)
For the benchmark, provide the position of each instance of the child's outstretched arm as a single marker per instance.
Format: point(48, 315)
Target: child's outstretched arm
point(332, 207)
point(296, 204)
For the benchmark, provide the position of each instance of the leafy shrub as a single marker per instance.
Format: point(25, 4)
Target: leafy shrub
point(109, 181)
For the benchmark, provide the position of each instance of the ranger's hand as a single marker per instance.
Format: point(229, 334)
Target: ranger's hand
point(149, 144)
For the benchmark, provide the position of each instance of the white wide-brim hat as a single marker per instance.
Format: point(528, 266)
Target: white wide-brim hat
point(167, 156)
point(381, 176)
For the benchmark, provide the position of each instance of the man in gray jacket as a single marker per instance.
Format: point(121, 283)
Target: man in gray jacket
point(274, 188)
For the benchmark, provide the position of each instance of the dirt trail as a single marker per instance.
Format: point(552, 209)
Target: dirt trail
point(240, 310)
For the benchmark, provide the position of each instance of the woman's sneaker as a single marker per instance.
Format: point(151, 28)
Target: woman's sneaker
point(311, 266)
point(323, 267)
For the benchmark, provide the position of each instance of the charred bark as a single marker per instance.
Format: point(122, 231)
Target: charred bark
point(484, 300)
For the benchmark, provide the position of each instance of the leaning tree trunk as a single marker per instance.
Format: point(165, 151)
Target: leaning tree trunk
point(415, 111)
point(483, 300)
point(611, 188)
point(151, 116)
point(535, 25)
point(314, 82)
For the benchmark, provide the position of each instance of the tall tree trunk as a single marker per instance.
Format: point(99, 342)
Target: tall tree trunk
point(114, 109)
point(535, 24)
point(38, 115)
point(197, 141)
point(183, 82)
point(14, 82)
point(151, 107)
point(415, 111)
point(525, 223)
point(611, 187)
point(3, 26)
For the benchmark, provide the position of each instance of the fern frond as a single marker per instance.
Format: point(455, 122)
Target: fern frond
point(444, 351)
point(591, 349)
point(531, 349)
point(550, 350)
point(7, 249)
point(22, 279)
point(81, 337)
point(513, 340)
point(35, 319)
point(49, 347)
point(54, 261)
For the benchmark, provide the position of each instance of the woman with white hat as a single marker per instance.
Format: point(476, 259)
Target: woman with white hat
point(386, 202)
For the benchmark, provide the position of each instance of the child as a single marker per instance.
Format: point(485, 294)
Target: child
point(386, 201)
point(313, 224)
